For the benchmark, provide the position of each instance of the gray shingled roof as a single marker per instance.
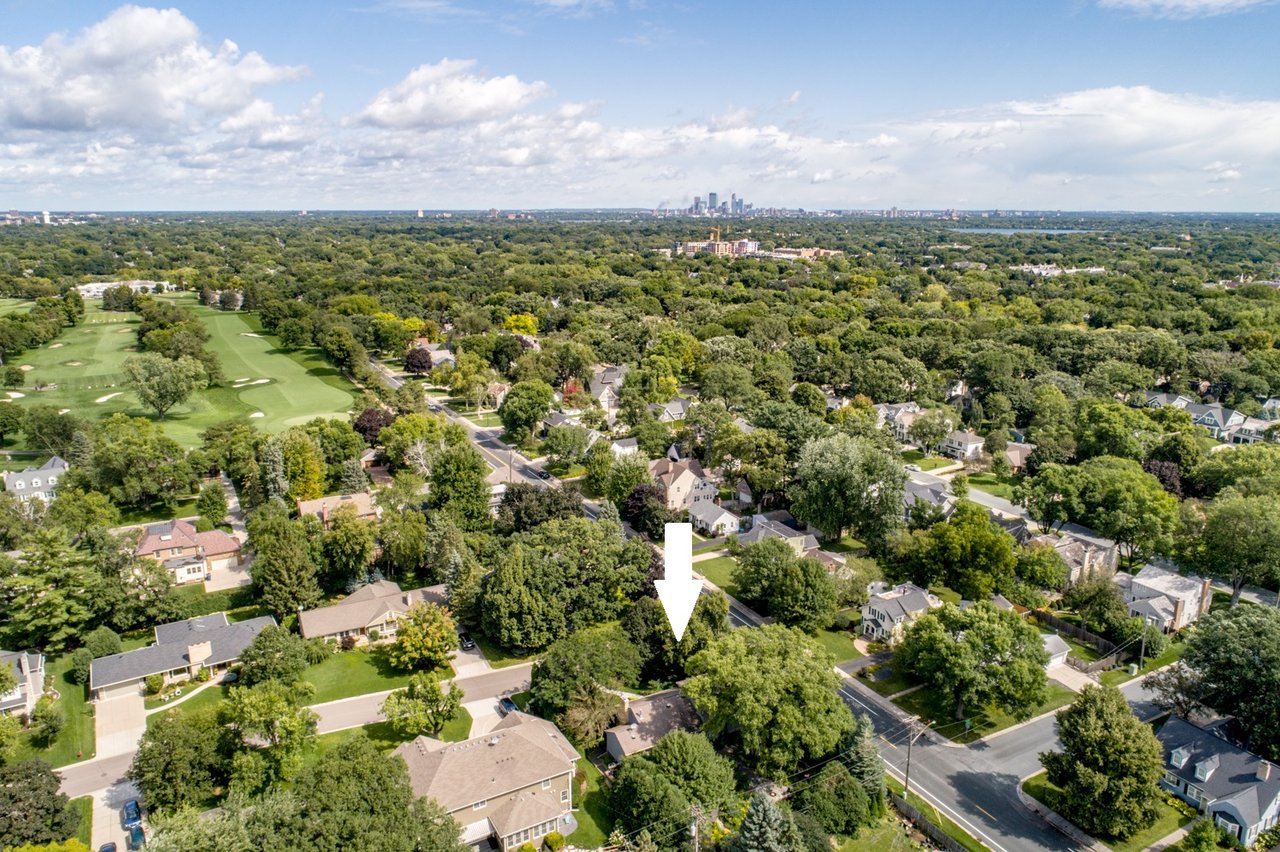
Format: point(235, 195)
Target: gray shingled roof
point(227, 642)
point(1234, 775)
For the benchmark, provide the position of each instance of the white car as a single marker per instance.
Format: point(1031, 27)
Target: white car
point(914, 467)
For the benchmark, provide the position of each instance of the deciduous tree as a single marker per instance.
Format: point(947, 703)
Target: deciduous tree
point(161, 383)
point(425, 637)
point(423, 707)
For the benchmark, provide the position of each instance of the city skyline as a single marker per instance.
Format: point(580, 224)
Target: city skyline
point(394, 104)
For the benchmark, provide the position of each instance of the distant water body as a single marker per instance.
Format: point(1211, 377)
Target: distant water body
point(1023, 230)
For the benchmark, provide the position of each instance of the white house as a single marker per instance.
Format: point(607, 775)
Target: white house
point(39, 481)
point(713, 519)
point(673, 410)
point(1057, 648)
point(28, 675)
point(963, 445)
point(685, 483)
point(886, 615)
point(1169, 601)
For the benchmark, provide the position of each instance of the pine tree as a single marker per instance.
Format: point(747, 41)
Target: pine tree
point(274, 483)
point(80, 453)
point(353, 479)
point(863, 760)
point(766, 828)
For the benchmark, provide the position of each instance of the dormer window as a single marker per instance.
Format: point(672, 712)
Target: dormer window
point(1178, 757)
point(35, 483)
point(1205, 768)
point(19, 485)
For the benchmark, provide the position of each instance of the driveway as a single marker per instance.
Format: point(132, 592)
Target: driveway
point(118, 724)
point(107, 803)
point(470, 663)
point(1070, 678)
point(484, 715)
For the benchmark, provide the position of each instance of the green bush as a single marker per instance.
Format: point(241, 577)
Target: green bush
point(374, 635)
point(154, 683)
point(102, 642)
point(81, 660)
point(318, 650)
point(203, 676)
point(528, 847)
point(555, 841)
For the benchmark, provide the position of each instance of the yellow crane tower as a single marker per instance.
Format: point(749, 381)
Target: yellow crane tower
point(715, 235)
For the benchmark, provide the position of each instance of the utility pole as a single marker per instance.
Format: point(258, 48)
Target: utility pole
point(693, 827)
point(913, 733)
point(1142, 648)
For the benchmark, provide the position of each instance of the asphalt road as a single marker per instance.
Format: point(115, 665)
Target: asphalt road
point(976, 786)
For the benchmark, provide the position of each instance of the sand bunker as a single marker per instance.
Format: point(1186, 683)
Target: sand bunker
point(246, 383)
point(15, 394)
point(124, 331)
point(26, 367)
point(64, 410)
point(108, 396)
point(242, 381)
point(257, 414)
point(75, 363)
point(249, 334)
point(56, 345)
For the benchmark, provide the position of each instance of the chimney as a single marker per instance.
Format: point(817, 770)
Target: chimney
point(197, 654)
point(1178, 606)
point(1264, 770)
point(1206, 596)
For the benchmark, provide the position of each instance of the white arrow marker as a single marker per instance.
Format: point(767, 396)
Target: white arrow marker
point(678, 591)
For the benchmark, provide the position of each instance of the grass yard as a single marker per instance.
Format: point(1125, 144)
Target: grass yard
point(384, 737)
point(1115, 677)
point(719, 571)
point(848, 544)
point(10, 306)
point(75, 741)
point(498, 656)
point(1168, 819)
point(356, 672)
point(288, 388)
point(839, 643)
point(594, 822)
point(894, 683)
point(206, 700)
point(940, 715)
point(84, 829)
point(996, 486)
point(890, 835)
point(926, 462)
point(946, 595)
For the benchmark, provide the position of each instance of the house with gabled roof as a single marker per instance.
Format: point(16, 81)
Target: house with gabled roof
point(887, 614)
point(605, 388)
point(1237, 789)
point(27, 668)
point(324, 507)
point(189, 556)
point(649, 719)
point(376, 607)
point(34, 482)
point(684, 483)
point(710, 518)
point(963, 445)
point(511, 786)
point(782, 526)
point(673, 410)
point(1167, 599)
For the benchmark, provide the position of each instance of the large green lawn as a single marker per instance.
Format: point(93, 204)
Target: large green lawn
point(940, 714)
point(207, 699)
point(285, 388)
point(994, 485)
point(1168, 819)
point(75, 741)
point(839, 643)
point(590, 798)
point(720, 572)
point(358, 672)
point(926, 462)
point(497, 656)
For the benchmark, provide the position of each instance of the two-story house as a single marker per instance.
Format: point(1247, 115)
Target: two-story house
point(324, 507)
point(605, 388)
point(1166, 599)
point(35, 482)
point(673, 410)
point(27, 668)
point(889, 415)
point(1238, 790)
point(963, 445)
point(189, 556)
point(378, 606)
point(782, 526)
point(886, 615)
point(684, 482)
point(511, 786)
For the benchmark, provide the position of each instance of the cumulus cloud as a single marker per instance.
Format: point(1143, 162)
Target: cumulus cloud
point(1183, 8)
point(138, 68)
point(446, 93)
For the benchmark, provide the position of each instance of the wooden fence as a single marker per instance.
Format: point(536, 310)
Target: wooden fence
point(936, 834)
point(1101, 645)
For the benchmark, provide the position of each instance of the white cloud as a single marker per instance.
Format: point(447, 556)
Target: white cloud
point(138, 68)
point(445, 93)
point(1183, 8)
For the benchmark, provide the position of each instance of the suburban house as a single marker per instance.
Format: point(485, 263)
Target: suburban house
point(624, 447)
point(440, 354)
point(1238, 790)
point(378, 606)
point(1166, 599)
point(650, 719)
point(673, 410)
point(495, 393)
point(963, 445)
point(1160, 399)
point(887, 614)
point(36, 481)
point(1224, 424)
point(772, 525)
point(1057, 648)
point(511, 786)
point(324, 507)
point(28, 672)
point(713, 519)
point(684, 482)
point(937, 496)
point(559, 418)
point(888, 415)
point(189, 556)
point(605, 388)
point(1017, 453)
point(742, 492)
point(902, 423)
point(1084, 558)
point(181, 650)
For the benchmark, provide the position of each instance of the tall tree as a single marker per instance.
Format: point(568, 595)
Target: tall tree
point(274, 654)
point(162, 383)
point(425, 637)
point(524, 407)
point(48, 595)
point(32, 810)
point(282, 568)
point(177, 763)
point(691, 762)
point(517, 611)
point(423, 707)
point(978, 656)
point(1109, 766)
point(844, 482)
point(765, 828)
point(348, 548)
point(271, 721)
point(459, 486)
point(1239, 538)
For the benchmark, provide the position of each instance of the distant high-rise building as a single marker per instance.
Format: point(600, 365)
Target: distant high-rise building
point(420, 214)
point(44, 216)
point(697, 205)
point(713, 201)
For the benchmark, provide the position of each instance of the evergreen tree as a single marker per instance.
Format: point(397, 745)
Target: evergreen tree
point(353, 478)
point(862, 757)
point(766, 828)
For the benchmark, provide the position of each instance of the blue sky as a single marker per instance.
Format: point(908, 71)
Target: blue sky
point(1068, 104)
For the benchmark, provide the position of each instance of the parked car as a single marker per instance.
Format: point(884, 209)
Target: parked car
point(914, 467)
point(506, 705)
point(465, 641)
point(137, 838)
point(132, 812)
point(107, 847)
point(231, 677)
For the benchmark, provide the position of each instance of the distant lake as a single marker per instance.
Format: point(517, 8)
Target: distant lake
point(1024, 230)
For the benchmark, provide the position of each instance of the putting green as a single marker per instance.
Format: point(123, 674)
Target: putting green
point(279, 389)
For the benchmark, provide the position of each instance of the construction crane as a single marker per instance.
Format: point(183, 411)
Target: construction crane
point(715, 235)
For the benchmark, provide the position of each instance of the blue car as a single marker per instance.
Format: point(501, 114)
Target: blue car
point(506, 705)
point(132, 813)
point(137, 838)
point(107, 847)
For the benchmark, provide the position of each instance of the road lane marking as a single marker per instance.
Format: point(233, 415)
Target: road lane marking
point(985, 811)
point(955, 817)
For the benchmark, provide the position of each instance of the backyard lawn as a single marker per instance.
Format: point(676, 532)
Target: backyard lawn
point(719, 571)
point(926, 462)
point(594, 823)
point(839, 643)
point(940, 715)
point(1168, 819)
point(75, 741)
point(1115, 677)
point(284, 388)
point(384, 737)
point(996, 486)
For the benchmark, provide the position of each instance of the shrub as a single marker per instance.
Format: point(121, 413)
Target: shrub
point(374, 635)
point(528, 847)
point(154, 683)
point(555, 841)
point(841, 621)
point(102, 642)
point(348, 642)
point(318, 650)
point(81, 660)
point(203, 675)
